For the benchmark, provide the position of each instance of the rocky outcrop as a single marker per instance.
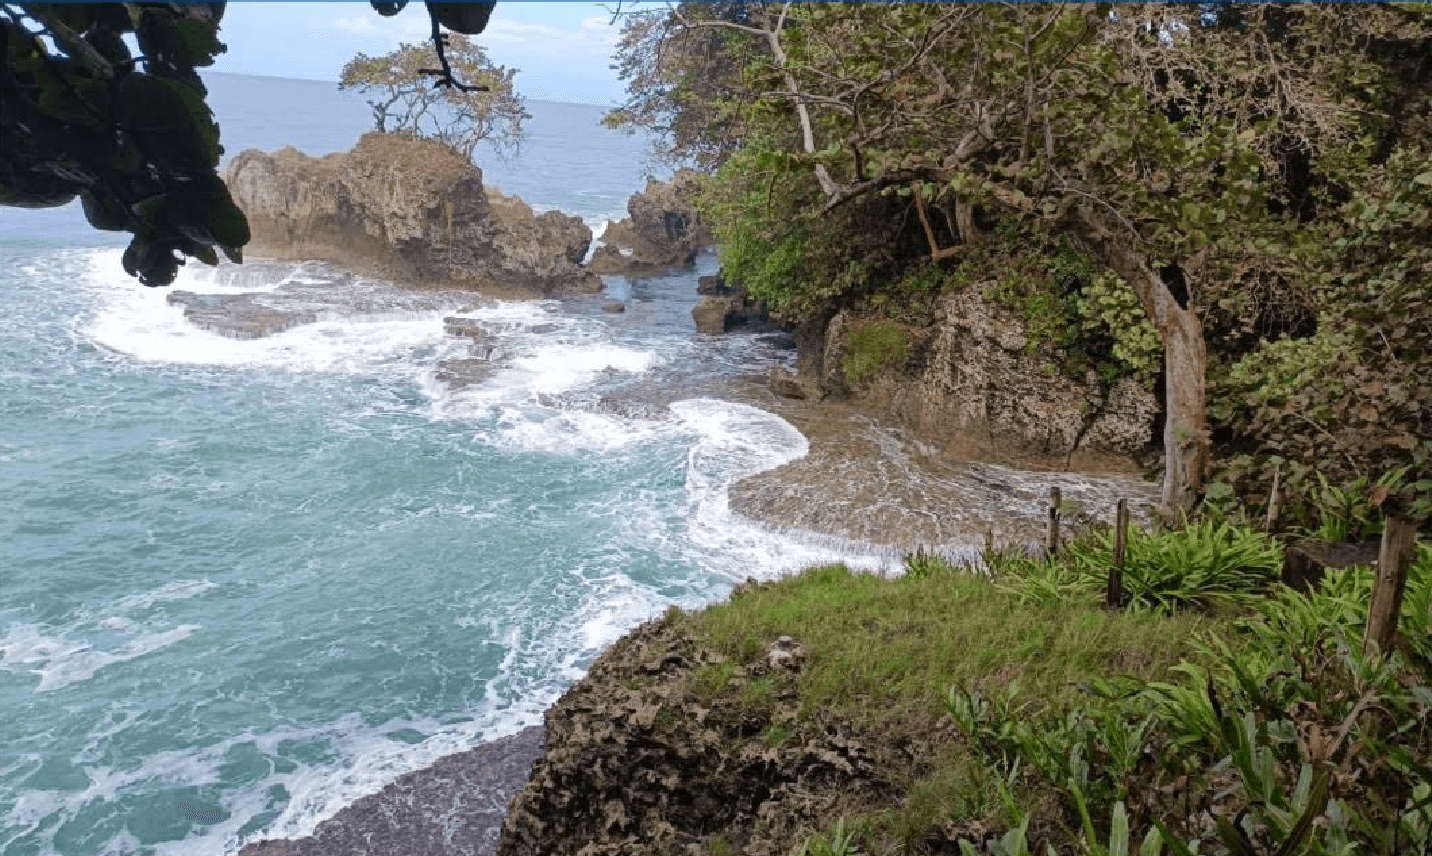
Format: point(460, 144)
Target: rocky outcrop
point(973, 386)
point(655, 752)
point(410, 211)
point(724, 308)
point(662, 231)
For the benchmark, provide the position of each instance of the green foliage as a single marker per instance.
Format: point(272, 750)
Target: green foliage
point(405, 100)
point(884, 651)
point(1072, 150)
point(873, 349)
point(1284, 731)
point(1107, 307)
point(1090, 731)
point(1202, 565)
point(131, 136)
point(837, 841)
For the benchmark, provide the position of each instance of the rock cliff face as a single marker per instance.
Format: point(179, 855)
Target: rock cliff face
point(972, 385)
point(641, 759)
point(411, 211)
point(662, 230)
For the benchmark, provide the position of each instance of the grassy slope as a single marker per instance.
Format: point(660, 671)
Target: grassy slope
point(881, 654)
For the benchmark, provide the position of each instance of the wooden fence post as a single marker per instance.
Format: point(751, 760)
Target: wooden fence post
point(1393, 561)
point(1114, 597)
point(1051, 536)
point(1273, 499)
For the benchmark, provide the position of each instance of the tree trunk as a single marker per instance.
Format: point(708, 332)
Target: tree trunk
point(1185, 416)
point(1185, 369)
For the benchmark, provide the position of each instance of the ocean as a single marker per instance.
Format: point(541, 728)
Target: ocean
point(243, 583)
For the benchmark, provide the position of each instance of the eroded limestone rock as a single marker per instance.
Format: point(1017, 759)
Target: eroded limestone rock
point(639, 761)
point(662, 230)
point(973, 387)
point(411, 211)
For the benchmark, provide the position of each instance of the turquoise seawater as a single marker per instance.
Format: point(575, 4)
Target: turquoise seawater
point(243, 583)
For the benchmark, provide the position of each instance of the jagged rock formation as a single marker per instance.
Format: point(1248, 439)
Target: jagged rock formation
point(662, 230)
point(972, 386)
point(643, 757)
point(724, 307)
point(411, 211)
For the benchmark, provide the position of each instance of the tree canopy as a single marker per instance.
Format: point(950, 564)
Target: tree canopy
point(405, 102)
point(132, 136)
point(1218, 164)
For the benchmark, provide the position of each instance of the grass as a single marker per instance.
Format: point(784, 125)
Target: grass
point(882, 654)
point(1018, 705)
point(883, 651)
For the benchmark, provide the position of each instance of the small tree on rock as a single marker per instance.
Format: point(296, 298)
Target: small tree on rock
point(406, 101)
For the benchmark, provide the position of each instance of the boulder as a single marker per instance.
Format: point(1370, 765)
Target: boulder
point(469, 328)
point(724, 308)
point(467, 371)
point(411, 211)
point(1306, 560)
point(714, 285)
point(614, 306)
point(712, 314)
point(662, 231)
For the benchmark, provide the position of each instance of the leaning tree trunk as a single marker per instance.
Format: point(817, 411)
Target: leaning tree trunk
point(1185, 369)
point(1186, 417)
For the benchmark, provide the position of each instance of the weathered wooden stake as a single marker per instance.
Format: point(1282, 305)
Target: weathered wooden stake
point(989, 542)
point(1114, 597)
point(1051, 536)
point(1395, 557)
point(1273, 499)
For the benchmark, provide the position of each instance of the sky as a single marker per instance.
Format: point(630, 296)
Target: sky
point(563, 49)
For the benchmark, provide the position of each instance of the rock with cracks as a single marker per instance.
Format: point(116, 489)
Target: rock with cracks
point(644, 755)
point(411, 211)
point(662, 231)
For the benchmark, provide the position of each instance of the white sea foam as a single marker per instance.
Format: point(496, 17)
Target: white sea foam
point(598, 232)
point(60, 661)
point(174, 590)
point(568, 432)
point(734, 441)
point(141, 323)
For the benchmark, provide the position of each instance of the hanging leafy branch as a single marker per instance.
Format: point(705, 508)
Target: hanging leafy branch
point(131, 136)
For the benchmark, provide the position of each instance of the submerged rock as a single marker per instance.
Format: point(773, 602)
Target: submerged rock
point(411, 211)
point(470, 328)
point(239, 316)
point(662, 231)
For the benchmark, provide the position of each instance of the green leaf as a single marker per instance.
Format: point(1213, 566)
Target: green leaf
point(170, 121)
point(1119, 831)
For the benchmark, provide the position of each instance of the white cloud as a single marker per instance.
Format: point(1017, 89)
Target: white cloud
point(355, 25)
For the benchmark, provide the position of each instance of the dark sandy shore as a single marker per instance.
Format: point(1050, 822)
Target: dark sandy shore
point(454, 807)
